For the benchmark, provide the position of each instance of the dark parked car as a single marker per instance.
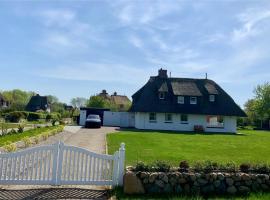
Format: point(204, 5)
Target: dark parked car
point(93, 121)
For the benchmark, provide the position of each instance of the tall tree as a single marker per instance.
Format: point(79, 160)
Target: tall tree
point(98, 102)
point(52, 99)
point(18, 98)
point(78, 102)
point(259, 107)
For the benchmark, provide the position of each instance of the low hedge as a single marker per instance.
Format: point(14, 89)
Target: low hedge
point(17, 116)
point(204, 166)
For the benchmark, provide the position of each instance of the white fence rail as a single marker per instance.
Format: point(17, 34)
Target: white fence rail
point(60, 164)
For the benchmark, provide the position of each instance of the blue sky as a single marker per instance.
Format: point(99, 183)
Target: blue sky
point(78, 48)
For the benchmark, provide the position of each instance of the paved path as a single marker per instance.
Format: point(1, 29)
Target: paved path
point(91, 139)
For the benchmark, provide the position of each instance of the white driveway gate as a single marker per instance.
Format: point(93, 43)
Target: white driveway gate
point(59, 164)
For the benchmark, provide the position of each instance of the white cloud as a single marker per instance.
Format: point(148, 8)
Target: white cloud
point(249, 21)
point(103, 72)
point(136, 41)
point(144, 12)
point(60, 18)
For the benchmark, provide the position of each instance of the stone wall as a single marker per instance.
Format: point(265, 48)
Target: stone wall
point(194, 183)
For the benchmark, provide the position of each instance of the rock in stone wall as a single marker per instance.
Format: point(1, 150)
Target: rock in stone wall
point(197, 183)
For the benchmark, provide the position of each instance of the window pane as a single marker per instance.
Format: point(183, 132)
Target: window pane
point(211, 98)
point(162, 95)
point(215, 121)
point(184, 118)
point(152, 116)
point(193, 100)
point(168, 117)
point(180, 99)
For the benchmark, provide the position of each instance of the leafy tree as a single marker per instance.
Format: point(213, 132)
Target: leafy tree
point(98, 102)
point(52, 99)
point(258, 109)
point(17, 98)
point(78, 102)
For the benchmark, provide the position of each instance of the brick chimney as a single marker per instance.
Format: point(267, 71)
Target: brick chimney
point(162, 73)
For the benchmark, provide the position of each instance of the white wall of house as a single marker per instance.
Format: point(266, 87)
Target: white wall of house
point(121, 119)
point(142, 122)
point(82, 117)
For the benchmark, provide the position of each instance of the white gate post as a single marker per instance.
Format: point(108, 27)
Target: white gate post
point(121, 164)
point(115, 168)
point(55, 162)
point(60, 160)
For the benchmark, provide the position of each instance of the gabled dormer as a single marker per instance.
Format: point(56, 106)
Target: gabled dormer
point(212, 92)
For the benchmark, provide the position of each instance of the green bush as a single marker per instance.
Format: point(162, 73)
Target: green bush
point(140, 166)
point(27, 141)
point(184, 166)
point(36, 139)
point(161, 166)
point(10, 147)
point(16, 116)
point(53, 116)
point(12, 131)
point(245, 167)
point(20, 128)
point(35, 116)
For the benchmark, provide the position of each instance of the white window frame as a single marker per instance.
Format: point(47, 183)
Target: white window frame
point(193, 102)
point(155, 117)
point(216, 124)
point(161, 95)
point(166, 118)
point(180, 99)
point(183, 122)
point(212, 98)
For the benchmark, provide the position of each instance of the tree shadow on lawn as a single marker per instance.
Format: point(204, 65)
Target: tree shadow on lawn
point(178, 132)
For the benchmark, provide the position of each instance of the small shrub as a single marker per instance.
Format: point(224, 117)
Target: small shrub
point(12, 131)
point(20, 128)
point(27, 141)
point(210, 166)
point(198, 128)
point(36, 139)
point(229, 167)
point(261, 168)
point(140, 166)
point(198, 167)
point(45, 135)
point(245, 167)
point(10, 147)
point(4, 129)
point(16, 116)
point(184, 166)
point(161, 166)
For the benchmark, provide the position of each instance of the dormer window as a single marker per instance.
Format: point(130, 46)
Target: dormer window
point(193, 100)
point(180, 99)
point(162, 95)
point(212, 98)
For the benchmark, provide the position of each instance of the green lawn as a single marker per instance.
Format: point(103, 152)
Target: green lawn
point(148, 146)
point(30, 133)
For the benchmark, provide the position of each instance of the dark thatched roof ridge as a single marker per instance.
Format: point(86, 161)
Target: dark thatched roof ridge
point(146, 99)
point(37, 103)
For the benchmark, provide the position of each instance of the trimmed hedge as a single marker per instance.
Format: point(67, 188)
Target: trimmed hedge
point(205, 167)
point(16, 116)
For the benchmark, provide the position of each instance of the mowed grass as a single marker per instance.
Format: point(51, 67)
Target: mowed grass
point(148, 146)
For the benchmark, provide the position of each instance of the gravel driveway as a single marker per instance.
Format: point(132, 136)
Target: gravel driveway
point(91, 139)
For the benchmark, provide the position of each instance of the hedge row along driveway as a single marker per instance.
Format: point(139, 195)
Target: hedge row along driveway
point(30, 133)
point(149, 146)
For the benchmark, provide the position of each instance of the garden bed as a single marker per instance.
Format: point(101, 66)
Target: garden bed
point(16, 140)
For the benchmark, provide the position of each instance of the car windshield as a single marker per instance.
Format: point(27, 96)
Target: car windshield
point(93, 117)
